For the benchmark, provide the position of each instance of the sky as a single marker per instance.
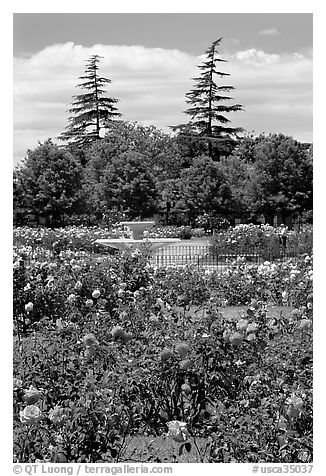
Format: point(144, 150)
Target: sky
point(151, 58)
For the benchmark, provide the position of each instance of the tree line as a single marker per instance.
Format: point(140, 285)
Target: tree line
point(203, 174)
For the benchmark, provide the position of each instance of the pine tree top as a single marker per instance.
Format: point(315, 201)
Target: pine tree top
point(207, 102)
point(90, 110)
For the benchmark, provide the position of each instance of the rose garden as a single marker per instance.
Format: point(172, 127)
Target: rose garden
point(118, 360)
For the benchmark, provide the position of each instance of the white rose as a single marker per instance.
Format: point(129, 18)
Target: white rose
point(31, 414)
point(252, 327)
point(178, 431)
point(305, 323)
point(29, 307)
point(57, 415)
point(96, 294)
point(90, 340)
point(242, 325)
point(71, 298)
point(32, 395)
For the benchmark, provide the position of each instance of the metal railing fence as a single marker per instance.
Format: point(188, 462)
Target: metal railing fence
point(206, 256)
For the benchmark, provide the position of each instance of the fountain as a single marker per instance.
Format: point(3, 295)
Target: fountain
point(138, 239)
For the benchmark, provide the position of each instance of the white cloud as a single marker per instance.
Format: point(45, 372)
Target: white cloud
point(256, 57)
point(277, 91)
point(151, 83)
point(269, 32)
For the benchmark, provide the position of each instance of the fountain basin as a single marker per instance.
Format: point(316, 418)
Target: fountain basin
point(137, 227)
point(128, 244)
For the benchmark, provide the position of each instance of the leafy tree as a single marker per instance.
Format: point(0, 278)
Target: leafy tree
point(121, 183)
point(20, 209)
point(238, 174)
point(171, 204)
point(203, 188)
point(282, 177)
point(90, 110)
point(208, 108)
point(246, 147)
point(159, 150)
point(47, 185)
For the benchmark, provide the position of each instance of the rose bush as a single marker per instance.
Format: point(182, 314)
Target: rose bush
point(208, 382)
point(264, 238)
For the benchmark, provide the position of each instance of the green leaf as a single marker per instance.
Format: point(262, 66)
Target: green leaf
point(181, 449)
point(113, 452)
point(188, 446)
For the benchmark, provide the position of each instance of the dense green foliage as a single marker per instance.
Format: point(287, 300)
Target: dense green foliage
point(123, 182)
point(47, 185)
point(141, 171)
point(282, 181)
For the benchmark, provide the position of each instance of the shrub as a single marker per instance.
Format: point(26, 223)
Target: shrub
point(185, 233)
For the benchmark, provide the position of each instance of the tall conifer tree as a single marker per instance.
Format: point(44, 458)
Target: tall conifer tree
point(208, 107)
point(90, 110)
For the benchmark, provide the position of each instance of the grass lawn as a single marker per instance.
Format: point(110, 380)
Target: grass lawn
point(235, 312)
point(141, 449)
